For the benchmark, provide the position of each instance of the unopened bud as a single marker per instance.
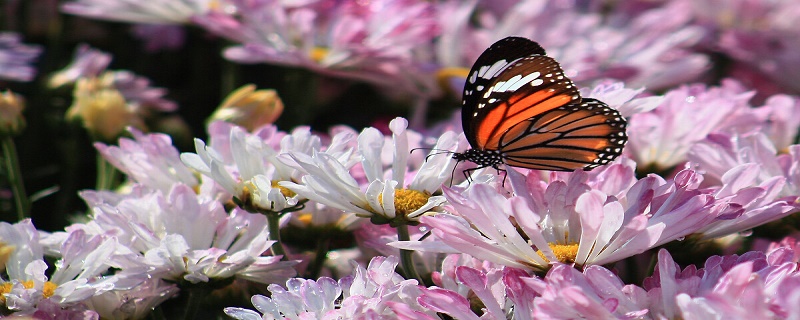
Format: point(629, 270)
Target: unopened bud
point(11, 120)
point(102, 110)
point(250, 108)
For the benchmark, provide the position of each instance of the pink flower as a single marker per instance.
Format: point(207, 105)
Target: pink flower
point(568, 220)
point(150, 160)
point(16, 58)
point(663, 136)
point(371, 41)
point(596, 293)
point(727, 287)
point(652, 49)
point(372, 292)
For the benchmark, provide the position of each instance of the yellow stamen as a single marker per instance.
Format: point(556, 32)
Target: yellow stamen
point(304, 218)
point(4, 288)
point(444, 74)
point(565, 253)
point(318, 53)
point(407, 201)
point(5, 253)
point(284, 191)
point(47, 292)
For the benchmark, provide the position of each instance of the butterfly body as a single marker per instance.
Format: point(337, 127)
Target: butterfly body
point(519, 109)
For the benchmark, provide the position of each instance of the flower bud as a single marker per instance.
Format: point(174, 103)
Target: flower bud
point(11, 120)
point(102, 110)
point(250, 108)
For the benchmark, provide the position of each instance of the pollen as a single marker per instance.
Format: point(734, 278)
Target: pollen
point(318, 53)
point(444, 75)
point(305, 218)
point(565, 253)
point(47, 292)
point(407, 201)
point(284, 190)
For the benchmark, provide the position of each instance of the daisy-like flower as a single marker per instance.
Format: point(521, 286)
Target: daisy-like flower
point(649, 50)
point(181, 236)
point(78, 276)
point(16, 58)
point(372, 292)
point(465, 282)
point(90, 65)
point(750, 176)
point(153, 12)
point(662, 137)
point(387, 198)
point(567, 220)
point(760, 36)
point(595, 293)
point(369, 41)
point(131, 303)
point(732, 287)
point(86, 63)
point(252, 172)
point(150, 160)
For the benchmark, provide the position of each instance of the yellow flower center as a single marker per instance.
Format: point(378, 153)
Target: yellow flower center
point(304, 218)
point(565, 253)
point(5, 253)
point(284, 191)
point(318, 53)
point(444, 74)
point(47, 292)
point(407, 201)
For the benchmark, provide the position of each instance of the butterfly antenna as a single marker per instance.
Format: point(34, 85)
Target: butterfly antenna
point(438, 152)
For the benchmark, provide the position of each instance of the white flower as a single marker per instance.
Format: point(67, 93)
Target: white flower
point(386, 194)
point(78, 275)
point(252, 170)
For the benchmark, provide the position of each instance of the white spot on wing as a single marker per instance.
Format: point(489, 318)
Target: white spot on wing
point(489, 72)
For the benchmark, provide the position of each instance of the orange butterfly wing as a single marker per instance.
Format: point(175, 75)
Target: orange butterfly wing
point(520, 108)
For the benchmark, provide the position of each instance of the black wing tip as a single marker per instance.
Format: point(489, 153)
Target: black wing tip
point(528, 46)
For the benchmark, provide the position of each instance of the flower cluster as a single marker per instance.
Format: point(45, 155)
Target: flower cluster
point(379, 217)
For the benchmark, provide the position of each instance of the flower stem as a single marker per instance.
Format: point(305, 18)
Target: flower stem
point(106, 174)
point(406, 255)
point(273, 221)
point(197, 293)
point(314, 268)
point(11, 159)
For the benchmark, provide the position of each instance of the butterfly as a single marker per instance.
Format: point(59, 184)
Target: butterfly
point(519, 109)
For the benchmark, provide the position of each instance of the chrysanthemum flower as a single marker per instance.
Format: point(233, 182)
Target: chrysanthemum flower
point(595, 293)
point(370, 41)
point(372, 292)
point(135, 302)
point(465, 282)
point(752, 285)
point(86, 63)
point(662, 137)
point(568, 221)
point(649, 50)
point(89, 65)
point(182, 236)
point(389, 196)
point(150, 160)
point(16, 58)
point(154, 12)
point(759, 36)
point(745, 171)
point(252, 172)
point(79, 274)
